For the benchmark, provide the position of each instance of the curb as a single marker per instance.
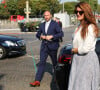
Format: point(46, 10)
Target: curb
point(13, 31)
point(9, 29)
point(17, 32)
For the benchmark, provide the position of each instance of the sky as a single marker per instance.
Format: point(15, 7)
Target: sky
point(74, 0)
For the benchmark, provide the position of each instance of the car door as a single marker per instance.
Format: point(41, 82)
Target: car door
point(98, 48)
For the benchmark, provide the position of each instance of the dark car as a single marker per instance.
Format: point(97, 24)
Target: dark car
point(62, 69)
point(10, 45)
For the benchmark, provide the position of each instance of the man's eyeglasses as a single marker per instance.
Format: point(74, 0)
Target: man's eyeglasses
point(80, 12)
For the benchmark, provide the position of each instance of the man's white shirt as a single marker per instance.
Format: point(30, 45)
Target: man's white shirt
point(47, 25)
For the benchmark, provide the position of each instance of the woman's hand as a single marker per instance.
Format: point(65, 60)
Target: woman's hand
point(75, 50)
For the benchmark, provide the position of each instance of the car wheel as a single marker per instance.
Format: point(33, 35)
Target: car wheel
point(2, 52)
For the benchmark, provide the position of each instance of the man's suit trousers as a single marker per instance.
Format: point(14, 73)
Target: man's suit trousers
point(44, 52)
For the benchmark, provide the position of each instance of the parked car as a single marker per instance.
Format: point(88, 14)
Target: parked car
point(10, 45)
point(62, 69)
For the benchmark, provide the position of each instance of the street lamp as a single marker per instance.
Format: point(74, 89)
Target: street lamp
point(27, 11)
point(63, 6)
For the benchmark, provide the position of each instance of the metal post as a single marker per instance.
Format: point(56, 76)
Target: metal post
point(63, 7)
point(89, 2)
point(27, 13)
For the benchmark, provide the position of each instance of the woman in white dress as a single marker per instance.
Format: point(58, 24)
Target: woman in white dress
point(84, 73)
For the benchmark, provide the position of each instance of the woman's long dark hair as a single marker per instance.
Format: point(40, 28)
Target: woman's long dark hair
point(89, 18)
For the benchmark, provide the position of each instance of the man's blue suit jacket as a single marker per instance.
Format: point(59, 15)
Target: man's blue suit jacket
point(53, 29)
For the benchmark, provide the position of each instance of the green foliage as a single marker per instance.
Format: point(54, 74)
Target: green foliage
point(4, 14)
point(98, 10)
point(93, 4)
point(16, 7)
point(38, 7)
point(21, 4)
point(12, 7)
point(69, 7)
point(31, 26)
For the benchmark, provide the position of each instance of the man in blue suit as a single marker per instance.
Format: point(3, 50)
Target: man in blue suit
point(50, 33)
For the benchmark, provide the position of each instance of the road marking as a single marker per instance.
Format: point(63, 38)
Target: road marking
point(30, 42)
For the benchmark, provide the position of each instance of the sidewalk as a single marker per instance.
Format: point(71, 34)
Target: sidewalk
point(13, 31)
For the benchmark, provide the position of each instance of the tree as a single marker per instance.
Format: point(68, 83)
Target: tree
point(53, 6)
point(93, 3)
point(98, 9)
point(69, 7)
point(4, 14)
point(21, 4)
point(38, 7)
point(16, 7)
point(34, 9)
point(12, 7)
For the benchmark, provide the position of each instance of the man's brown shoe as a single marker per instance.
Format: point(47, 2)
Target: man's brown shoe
point(35, 84)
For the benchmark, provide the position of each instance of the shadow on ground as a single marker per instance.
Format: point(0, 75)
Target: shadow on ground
point(1, 87)
point(13, 56)
point(1, 76)
point(49, 69)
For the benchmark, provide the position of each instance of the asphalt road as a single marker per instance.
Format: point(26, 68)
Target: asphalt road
point(16, 72)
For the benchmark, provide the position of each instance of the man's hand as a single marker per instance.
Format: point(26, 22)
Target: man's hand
point(49, 37)
point(42, 37)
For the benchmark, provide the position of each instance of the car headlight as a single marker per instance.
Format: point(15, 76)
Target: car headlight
point(10, 43)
